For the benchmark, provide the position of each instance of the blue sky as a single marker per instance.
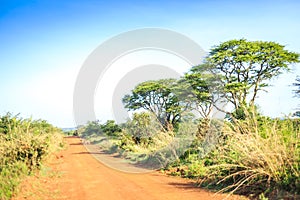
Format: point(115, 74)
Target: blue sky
point(45, 42)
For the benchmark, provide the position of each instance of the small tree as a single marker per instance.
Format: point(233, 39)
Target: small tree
point(198, 89)
point(142, 127)
point(156, 97)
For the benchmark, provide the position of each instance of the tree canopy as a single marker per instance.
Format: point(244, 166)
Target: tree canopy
point(200, 89)
point(158, 98)
point(247, 66)
point(235, 70)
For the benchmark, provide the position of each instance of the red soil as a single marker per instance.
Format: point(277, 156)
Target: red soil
point(75, 174)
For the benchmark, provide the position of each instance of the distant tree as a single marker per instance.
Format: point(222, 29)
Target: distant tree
point(156, 97)
point(75, 133)
point(91, 128)
point(297, 84)
point(110, 128)
point(296, 114)
point(246, 67)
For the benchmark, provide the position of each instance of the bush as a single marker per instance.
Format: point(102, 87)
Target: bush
point(24, 144)
point(95, 128)
point(187, 128)
point(142, 129)
point(256, 156)
point(110, 128)
point(91, 129)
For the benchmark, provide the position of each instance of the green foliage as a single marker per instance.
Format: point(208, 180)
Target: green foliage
point(24, 144)
point(187, 127)
point(247, 153)
point(8, 123)
point(259, 153)
point(92, 128)
point(243, 111)
point(95, 128)
point(199, 89)
point(142, 127)
point(156, 97)
point(11, 176)
point(110, 128)
point(247, 66)
point(140, 131)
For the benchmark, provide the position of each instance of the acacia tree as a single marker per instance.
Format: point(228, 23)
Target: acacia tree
point(247, 66)
point(198, 91)
point(156, 97)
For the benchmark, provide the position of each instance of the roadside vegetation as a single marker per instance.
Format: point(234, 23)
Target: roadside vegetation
point(24, 145)
point(244, 152)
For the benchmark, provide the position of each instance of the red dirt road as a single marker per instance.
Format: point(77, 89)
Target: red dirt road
point(76, 174)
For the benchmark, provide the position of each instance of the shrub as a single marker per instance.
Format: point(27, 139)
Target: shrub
point(110, 128)
point(142, 128)
point(24, 144)
point(91, 129)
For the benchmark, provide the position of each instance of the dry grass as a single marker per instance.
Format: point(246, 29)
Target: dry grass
point(259, 154)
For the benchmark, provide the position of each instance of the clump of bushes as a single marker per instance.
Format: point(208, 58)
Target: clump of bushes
point(24, 144)
point(257, 156)
point(140, 140)
point(143, 132)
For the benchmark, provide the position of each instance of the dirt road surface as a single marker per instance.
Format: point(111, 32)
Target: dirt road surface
point(75, 174)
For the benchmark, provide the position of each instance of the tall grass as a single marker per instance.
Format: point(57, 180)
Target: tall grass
point(24, 145)
point(258, 155)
